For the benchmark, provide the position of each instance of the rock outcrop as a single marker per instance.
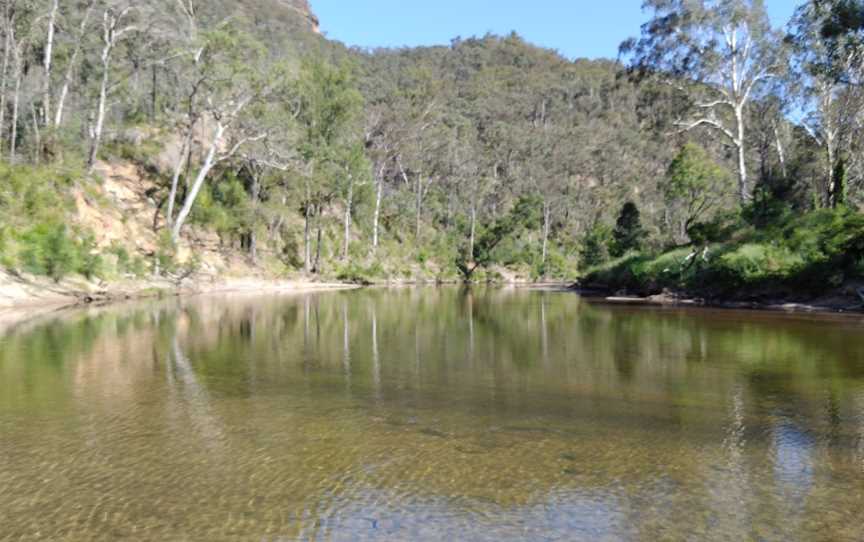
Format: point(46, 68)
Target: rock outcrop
point(302, 8)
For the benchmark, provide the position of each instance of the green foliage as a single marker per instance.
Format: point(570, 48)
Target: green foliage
point(50, 249)
point(329, 102)
point(557, 266)
point(30, 194)
point(840, 176)
point(166, 253)
point(138, 152)
point(127, 264)
point(355, 273)
point(526, 214)
point(595, 246)
point(224, 205)
point(694, 185)
point(718, 229)
point(35, 203)
point(768, 208)
point(91, 261)
point(816, 251)
point(628, 234)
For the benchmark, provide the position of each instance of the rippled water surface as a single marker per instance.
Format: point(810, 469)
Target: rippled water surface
point(430, 414)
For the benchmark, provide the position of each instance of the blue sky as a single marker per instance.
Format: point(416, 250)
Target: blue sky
point(577, 28)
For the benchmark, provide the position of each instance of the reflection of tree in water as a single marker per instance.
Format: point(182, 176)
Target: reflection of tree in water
point(510, 400)
point(184, 384)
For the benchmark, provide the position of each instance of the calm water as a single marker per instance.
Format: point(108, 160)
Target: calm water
point(430, 414)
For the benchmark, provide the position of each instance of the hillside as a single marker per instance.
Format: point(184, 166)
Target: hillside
point(230, 138)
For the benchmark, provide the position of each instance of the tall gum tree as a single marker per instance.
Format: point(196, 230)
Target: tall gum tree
point(832, 98)
point(720, 50)
point(116, 26)
point(235, 78)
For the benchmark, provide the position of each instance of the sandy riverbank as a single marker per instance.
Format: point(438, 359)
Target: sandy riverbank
point(25, 297)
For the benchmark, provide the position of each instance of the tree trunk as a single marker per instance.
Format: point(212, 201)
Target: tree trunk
point(36, 133)
point(831, 156)
point(379, 192)
point(70, 67)
point(100, 110)
point(209, 162)
point(8, 43)
point(307, 228)
point(307, 240)
point(16, 99)
point(315, 267)
point(154, 95)
point(349, 202)
point(781, 153)
point(46, 64)
point(418, 207)
point(473, 236)
point(547, 212)
point(253, 237)
point(743, 188)
point(184, 156)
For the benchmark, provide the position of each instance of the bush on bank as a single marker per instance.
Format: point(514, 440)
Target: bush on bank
point(809, 254)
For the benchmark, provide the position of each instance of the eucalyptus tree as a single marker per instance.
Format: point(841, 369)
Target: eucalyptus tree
point(117, 25)
point(236, 75)
point(327, 109)
point(840, 27)
point(20, 29)
point(401, 111)
point(48, 59)
point(828, 63)
point(722, 51)
point(353, 173)
point(71, 41)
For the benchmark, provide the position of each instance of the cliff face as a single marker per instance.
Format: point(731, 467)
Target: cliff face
point(269, 18)
point(304, 10)
point(296, 14)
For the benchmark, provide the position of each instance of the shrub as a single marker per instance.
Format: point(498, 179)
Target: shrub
point(49, 250)
point(595, 246)
point(754, 263)
point(90, 260)
point(353, 273)
point(166, 253)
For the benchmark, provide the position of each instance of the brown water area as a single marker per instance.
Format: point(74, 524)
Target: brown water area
point(430, 414)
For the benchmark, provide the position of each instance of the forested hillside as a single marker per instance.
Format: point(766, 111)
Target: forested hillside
point(250, 135)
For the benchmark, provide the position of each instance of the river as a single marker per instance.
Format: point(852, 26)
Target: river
point(430, 414)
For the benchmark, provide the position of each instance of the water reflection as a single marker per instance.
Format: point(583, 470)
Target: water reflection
point(430, 414)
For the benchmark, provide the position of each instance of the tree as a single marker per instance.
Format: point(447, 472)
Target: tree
point(628, 233)
point(115, 27)
point(723, 50)
point(77, 47)
point(838, 25)
point(524, 215)
point(827, 62)
point(694, 186)
point(236, 75)
point(327, 108)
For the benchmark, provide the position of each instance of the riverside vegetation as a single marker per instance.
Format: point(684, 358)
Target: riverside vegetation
point(718, 155)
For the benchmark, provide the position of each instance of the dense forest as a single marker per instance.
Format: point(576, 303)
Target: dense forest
point(717, 153)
